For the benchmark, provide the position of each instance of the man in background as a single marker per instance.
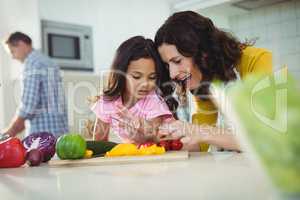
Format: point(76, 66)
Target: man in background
point(42, 97)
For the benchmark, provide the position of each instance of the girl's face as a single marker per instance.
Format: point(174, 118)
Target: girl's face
point(140, 78)
point(182, 69)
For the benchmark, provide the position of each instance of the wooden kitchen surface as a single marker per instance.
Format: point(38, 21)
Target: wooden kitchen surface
point(118, 160)
point(224, 175)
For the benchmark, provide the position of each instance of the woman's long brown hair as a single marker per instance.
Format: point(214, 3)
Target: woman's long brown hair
point(215, 52)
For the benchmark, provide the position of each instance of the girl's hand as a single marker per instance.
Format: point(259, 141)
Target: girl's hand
point(127, 118)
point(139, 130)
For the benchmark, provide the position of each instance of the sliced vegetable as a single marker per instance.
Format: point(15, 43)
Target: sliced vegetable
point(132, 150)
point(176, 145)
point(147, 144)
point(12, 153)
point(152, 150)
point(166, 144)
point(70, 146)
point(44, 142)
point(123, 150)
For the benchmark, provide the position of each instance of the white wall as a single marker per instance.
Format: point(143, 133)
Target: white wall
point(112, 21)
point(219, 14)
point(15, 15)
point(278, 29)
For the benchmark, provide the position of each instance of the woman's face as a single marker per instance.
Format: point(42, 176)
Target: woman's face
point(140, 78)
point(182, 69)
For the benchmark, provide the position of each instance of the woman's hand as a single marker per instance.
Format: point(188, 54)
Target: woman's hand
point(178, 129)
point(191, 135)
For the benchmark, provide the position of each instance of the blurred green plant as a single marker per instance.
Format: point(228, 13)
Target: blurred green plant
point(268, 112)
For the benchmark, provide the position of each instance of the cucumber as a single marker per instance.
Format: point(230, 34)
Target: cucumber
point(100, 147)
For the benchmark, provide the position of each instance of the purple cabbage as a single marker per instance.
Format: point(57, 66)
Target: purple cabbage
point(43, 141)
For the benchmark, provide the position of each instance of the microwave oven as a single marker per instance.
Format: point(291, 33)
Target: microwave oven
point(68, 45)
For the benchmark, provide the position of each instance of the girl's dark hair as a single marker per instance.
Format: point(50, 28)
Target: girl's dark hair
point(215, 52)
point(133, 49)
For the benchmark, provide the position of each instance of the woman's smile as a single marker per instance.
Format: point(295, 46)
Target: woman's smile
point(182, 69)
point(185, 80)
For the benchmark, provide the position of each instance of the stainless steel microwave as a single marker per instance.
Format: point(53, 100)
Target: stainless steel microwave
point(69, 45)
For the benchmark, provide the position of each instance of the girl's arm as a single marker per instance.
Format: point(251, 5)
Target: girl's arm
point(150, 127)
point(101, 130)
point(141, 130)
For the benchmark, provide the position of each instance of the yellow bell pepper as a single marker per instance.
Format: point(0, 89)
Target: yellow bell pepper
point(88, 153)
point(132, 150)
point(152, 150)
point(123, 150)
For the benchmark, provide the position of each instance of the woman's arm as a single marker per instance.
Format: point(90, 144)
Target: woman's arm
point(222, 138)
point(192, 133)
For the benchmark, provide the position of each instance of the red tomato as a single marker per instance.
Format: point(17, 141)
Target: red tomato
point(176, 145)
point(166, 144)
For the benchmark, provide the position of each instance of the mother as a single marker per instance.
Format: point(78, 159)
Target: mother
point(195, 52)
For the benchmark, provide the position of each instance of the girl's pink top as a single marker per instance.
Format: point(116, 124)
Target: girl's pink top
point(149, 107)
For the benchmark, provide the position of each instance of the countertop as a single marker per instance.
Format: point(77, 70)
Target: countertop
point(224, 175)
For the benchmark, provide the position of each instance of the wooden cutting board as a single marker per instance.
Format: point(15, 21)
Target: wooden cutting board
point(168, 156)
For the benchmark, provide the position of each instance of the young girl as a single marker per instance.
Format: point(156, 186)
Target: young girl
point(134, 89)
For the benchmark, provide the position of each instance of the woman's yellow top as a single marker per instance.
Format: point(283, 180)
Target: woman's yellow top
point(253, 60)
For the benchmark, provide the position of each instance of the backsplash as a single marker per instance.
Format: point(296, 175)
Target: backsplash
point(277, 28)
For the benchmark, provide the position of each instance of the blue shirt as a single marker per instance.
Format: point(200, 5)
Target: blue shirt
point(42, 100)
